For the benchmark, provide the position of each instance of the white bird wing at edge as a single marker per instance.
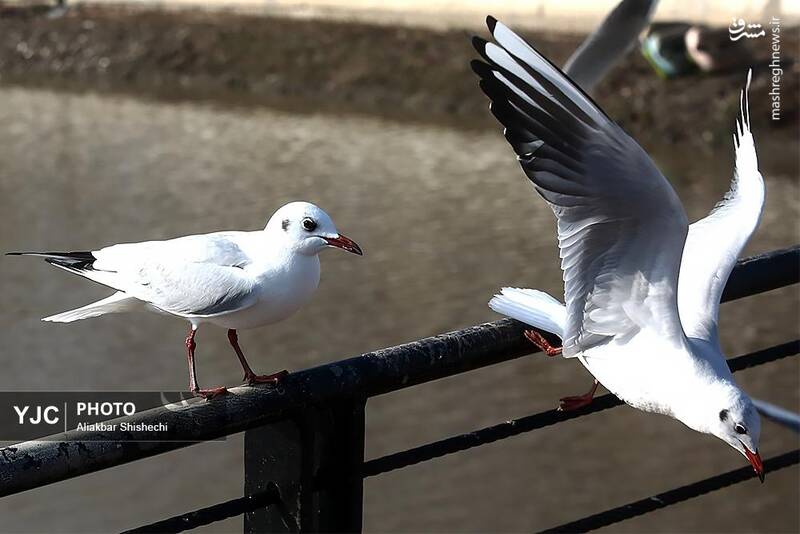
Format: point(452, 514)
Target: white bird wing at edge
point(715, 242)
point(193, 276)
point(607, 45)
point(621, 227)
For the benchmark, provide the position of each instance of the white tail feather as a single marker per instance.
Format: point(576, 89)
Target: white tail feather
point(118, 302)
point(532, 307)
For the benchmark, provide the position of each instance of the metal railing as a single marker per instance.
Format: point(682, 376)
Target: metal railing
point(304, 440)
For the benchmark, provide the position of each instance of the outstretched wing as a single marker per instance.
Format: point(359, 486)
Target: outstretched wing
point(621, 227)
point(714, 243)
point(601, 50)
point(191, 276)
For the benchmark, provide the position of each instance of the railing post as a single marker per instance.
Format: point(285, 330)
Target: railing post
point(314, 461)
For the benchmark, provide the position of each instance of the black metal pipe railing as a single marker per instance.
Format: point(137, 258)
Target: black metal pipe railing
point(764, 272)
point(37, 463)
point(453, 444)
point(234, 507)
point(677, 495)
point(507, 429)
point(211, 514)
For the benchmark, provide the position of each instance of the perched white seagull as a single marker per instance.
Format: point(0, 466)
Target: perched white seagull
point(231, 279)
point(622, 232)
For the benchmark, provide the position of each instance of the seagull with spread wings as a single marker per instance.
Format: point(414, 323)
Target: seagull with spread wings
point(642, 287)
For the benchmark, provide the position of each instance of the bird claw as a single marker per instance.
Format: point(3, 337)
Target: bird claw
point(538, 339)
point(567, 404)
point(574, 402)
point(274, 379)
point(211, 393)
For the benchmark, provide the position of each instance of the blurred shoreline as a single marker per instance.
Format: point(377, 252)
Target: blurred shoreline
point(400, 73)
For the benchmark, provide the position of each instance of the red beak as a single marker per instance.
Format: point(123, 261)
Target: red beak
point(755, 460)
point(344, 243)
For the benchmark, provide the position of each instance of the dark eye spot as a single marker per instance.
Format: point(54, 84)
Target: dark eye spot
point(309, 224)
point(740, 429)
point(723, 415)
point(285, 224)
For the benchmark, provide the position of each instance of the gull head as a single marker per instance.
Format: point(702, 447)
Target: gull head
point(735, 421)
point(308, 229)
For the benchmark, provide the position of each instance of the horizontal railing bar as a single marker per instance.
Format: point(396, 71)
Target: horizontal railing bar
point(668, 498)
point(764, 272)
point(211, 514)
point(36, 463)
point(515, 427)
point(391, 462)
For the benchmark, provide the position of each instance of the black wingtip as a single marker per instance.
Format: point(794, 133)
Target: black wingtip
point(479, 43)
point(82, 260)
point(491, 22)
point(496, 91)
point(488, 88)
point(480, 68)
point(72, 266)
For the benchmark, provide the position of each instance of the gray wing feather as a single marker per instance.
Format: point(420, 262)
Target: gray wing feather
point(192, 289)
point(615, 36)
point(199, 275)
point(621, 227)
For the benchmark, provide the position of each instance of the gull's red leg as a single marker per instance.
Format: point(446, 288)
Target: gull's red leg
point(567, 403)
point(249, 376)
point(578, 401)
point(538, 339)
point(193, 387)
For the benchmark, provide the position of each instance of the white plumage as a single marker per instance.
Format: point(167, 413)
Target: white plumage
point(639, 318)
point(116, 303)
point(532, 307)
point(234, 280)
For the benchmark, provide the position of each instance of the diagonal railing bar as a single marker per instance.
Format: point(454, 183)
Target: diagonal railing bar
point(451, 445)
point(677, 495)
point(437, 449)
point(515, 427)
point(211, 514)
point(454, 444)
point(76, 453)
point(484, 436)
point(33, 464)
point(784, 270)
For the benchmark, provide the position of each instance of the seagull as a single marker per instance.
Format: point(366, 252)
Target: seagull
point(608, 44)
point(232, 279)
point(625, 243)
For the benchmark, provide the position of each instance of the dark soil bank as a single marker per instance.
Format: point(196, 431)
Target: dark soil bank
point(404, 73)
